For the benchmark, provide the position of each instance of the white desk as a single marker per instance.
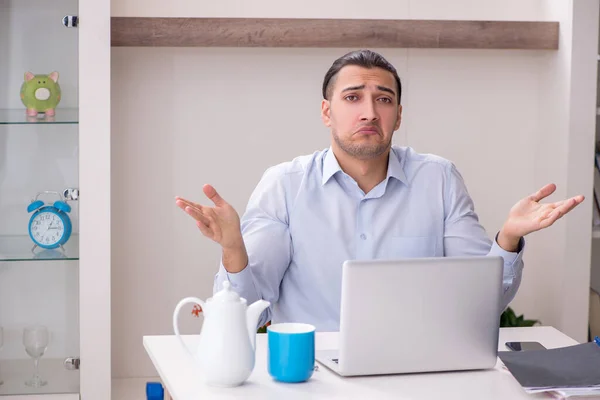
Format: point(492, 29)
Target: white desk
point(180, 375)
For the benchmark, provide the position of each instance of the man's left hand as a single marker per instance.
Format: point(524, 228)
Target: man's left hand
point(529, 215)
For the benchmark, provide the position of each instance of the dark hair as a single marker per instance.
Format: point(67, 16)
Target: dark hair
point(361, 58)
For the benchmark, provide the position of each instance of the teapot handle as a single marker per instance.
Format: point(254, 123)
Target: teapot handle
point(176, 315)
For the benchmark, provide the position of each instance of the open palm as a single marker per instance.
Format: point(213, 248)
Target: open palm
point(529, 215)
point(220, 223)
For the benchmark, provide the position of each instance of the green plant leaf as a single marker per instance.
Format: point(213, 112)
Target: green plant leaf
point(503, 320)
point(510, 319)
point(529, 322)
point(262, 329)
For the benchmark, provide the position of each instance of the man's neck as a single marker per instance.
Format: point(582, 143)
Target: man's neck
point(367, 173)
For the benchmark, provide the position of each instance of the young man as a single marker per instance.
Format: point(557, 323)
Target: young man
point(360, 199)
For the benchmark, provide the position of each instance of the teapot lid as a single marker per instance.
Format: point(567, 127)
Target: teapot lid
point(226, 294)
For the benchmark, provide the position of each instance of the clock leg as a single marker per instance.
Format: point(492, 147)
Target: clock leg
point(33, 248)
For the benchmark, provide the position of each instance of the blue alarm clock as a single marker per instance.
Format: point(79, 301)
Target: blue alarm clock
point(49, 226)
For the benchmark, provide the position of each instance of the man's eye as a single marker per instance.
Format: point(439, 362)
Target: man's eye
point(386, 99)
point(351, 97)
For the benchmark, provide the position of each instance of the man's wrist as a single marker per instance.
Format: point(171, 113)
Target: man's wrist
point(236, 245)
point(235, 258)
point(508, 242)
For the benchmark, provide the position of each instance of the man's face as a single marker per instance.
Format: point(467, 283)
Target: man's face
point(362, 111)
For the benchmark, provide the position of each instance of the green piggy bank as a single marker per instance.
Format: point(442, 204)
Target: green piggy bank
point(40, 93)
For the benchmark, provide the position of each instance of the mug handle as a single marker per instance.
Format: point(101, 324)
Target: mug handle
point(176, 315)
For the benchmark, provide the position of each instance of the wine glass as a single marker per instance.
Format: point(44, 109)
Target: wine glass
point(1, 345)
point(35, 339)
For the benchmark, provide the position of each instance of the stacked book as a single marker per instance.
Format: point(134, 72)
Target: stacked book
point(568, 372)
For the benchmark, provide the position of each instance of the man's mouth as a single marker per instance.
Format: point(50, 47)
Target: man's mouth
point(369, 130)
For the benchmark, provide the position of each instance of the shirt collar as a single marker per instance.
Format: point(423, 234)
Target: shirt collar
point(395, 167)
point(330, 166)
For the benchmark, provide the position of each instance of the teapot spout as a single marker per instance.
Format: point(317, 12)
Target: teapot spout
point(252, 315)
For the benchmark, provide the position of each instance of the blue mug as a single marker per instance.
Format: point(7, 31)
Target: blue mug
point(291, 351)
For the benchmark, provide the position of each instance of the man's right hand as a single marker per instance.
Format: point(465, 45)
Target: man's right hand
point(220, 223)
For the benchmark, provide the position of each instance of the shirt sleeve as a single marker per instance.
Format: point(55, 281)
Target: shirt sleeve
point(265, 230)
point(465, 236)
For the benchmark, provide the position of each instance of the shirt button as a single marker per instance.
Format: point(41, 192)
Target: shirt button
point(363, 236)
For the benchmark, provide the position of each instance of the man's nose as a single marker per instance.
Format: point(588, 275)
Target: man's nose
point(369, 112)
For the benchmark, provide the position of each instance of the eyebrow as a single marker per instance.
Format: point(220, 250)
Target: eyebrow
point(360, 87)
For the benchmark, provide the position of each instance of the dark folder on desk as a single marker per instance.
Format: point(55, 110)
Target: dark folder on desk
point(566, 367)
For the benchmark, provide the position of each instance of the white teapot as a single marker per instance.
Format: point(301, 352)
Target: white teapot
point(226, 348)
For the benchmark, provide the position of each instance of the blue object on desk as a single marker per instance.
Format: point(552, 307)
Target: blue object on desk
point(154, 391)
point(291, 354)
point(597, 340)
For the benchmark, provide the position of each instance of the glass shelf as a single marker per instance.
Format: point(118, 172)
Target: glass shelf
point(15, 372)
point(19, 248)
point(18, 117)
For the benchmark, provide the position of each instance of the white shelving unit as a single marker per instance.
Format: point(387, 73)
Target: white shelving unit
point(67, 290)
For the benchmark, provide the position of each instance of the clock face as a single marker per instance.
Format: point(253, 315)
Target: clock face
point(47, 228)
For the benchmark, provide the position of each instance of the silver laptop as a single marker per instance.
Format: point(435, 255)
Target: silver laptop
point(418, 315)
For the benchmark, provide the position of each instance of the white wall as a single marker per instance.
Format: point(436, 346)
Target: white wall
point(509, 10)
point(575, 69)
point(182, 117)
point(35, 158)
